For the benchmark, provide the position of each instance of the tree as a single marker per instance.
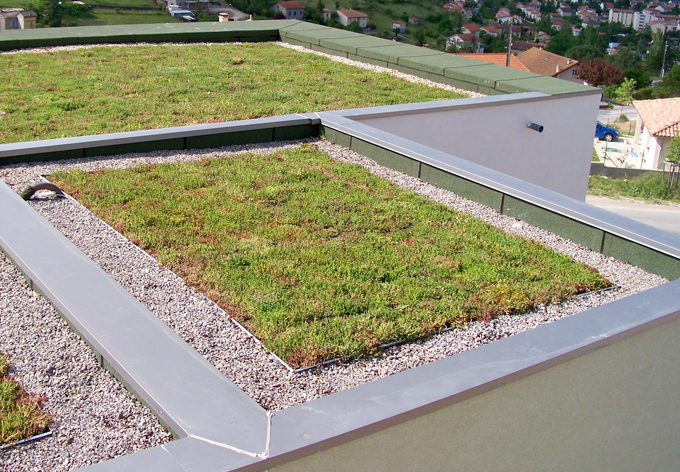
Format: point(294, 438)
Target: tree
point(50, 12)
point(674, 150)
point(625, 59)
point(670, 85)
point(641, 77)
point(420, 37)
point(624, 93)
point(563, 41)
point(600, 72)
point(584, 53)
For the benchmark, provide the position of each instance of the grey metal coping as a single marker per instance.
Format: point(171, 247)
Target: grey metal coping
point(342, 417)
point(349, 122)
point(187, 392)
point(131, 137)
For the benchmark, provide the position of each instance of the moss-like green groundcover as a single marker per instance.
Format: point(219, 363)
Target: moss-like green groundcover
point(20, 413)
point(321, 259)
point(109, 89)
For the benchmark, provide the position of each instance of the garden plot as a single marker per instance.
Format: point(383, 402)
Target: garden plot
point(208, 329)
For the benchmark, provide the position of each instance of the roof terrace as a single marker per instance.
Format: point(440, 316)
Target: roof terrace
point(586, 373)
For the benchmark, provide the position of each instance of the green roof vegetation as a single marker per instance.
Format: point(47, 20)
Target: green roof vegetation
point(321, 259)
point(20, 413)
point(109, 89)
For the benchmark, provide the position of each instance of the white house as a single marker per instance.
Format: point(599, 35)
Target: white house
point(468, 40)
point(345, 17)
point(292, 10)
point(659, 122)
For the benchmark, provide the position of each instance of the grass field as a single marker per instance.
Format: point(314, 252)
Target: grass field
point(321, 259)
point(20, 414)
point(651, 187)
point(108, 89)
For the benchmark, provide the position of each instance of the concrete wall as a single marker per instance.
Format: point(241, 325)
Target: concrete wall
point(614, 409)
point(495, 135)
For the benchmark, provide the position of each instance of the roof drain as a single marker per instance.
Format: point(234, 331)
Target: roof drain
point(28, 192)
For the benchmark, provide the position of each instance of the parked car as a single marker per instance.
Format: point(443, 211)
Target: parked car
point(605, 132)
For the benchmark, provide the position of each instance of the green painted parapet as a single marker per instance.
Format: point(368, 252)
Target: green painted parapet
point(465, 73)
point(246, 31)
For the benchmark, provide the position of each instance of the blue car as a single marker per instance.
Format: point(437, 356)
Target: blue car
point(605, 132)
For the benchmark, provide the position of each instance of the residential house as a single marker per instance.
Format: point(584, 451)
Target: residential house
point(503, 15)
point(17, 18)
point(606, 6)
point(399, 26)
point(291, 10)
point(326, 14)
point(413, 21)
point(490, 30)
point(498, 58)
point(466, 41)
point(519, 47)
point(621, 15)
point(557, 23)
point(565, 10)
point(552, 65)
point(345, 17)
point(453, 7)
point(542, 37)
point(470, 28)
point(661, 120)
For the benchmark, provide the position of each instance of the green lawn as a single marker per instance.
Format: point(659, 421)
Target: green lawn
point(321, 259)
point(20, 414)
point(100, 17)
point(109, 89)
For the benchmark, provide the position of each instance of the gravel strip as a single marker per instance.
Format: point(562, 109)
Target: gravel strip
point(379, 69)
point(95, 418)
point(207, 328)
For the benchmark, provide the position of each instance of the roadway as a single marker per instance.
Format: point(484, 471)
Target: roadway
point(665, 217)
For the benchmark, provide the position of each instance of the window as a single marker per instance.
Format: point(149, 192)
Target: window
point(574, 73)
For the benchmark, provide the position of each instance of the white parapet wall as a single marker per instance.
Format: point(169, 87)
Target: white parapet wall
point(493, 132)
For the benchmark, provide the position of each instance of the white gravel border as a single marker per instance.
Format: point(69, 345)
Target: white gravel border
point(95, 418)
point(207, 328)
point(382, 70)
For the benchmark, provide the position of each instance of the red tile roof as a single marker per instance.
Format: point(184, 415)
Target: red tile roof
point(661, 117)
point(497, 58)
point(292, 5)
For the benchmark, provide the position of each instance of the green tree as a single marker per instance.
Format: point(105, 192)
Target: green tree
point(625, 59)
point(670, 85)
point(563, 41)
point(624, 93)
point(50, 12)
point(641, 77)
point(584, 53)
point(674, 150)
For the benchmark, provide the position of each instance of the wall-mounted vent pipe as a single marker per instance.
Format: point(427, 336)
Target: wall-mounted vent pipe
point(535, 127)
point(28, 192)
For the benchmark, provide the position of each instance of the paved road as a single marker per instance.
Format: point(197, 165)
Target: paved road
point(611, 114)
point(665, 217)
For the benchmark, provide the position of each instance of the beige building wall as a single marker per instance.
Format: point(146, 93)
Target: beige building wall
point(615, 409)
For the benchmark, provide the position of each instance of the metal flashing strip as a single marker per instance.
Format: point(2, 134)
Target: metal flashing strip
point(160, 134)
point(351, 414)
point(184, 390)
point(617, 225)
